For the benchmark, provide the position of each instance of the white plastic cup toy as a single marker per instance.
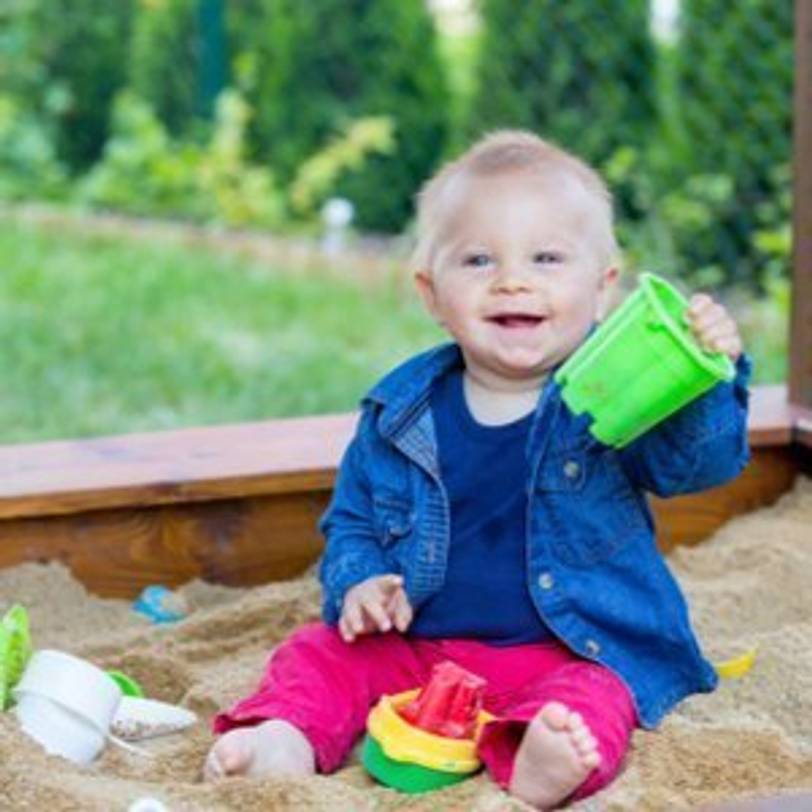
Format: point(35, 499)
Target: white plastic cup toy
point(66, 704)
point(58, 730)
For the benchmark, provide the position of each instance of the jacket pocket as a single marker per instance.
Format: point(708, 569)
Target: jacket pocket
point(589, 505)
point(393, 518)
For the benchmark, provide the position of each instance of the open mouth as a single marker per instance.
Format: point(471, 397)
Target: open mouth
point(516, 320)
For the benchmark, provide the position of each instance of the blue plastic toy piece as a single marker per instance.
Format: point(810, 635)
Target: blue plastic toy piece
point(159, 604)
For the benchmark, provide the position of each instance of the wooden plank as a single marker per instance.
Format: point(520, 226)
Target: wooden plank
point(186, 465)
point(691, 519)
point(259, 539)
point(800, 367)
point(802, 433)
point(770, 418)
point(221, 462)
point(116, 553)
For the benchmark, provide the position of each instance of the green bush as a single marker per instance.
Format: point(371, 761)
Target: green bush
point(28, 166)
point(145, 172)
point(73, 60)
point(581, 78)
point(317, 175)
point(734, 73)
point(309, 69)
point(178, 60)
point(164, 61)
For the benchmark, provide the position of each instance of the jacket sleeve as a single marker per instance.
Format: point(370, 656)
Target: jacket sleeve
point(702, 445)
point(352, 552)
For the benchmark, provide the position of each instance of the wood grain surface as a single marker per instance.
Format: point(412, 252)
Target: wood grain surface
point(240, 504)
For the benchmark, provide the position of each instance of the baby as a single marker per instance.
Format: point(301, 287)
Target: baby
point(475, 519)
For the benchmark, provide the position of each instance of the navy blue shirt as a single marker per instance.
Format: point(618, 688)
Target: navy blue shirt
point(484, 470)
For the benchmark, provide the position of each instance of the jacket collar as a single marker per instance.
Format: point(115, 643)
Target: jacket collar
point(409, 385)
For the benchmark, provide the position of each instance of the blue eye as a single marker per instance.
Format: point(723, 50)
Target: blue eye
point(476, 260)
point(548, 257)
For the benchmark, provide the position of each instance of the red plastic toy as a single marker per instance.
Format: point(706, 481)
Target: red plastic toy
point(449, 704)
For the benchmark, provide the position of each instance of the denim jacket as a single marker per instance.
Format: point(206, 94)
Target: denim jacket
point(593, 568)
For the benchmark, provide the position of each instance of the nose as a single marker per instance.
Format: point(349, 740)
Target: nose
point(511, 279)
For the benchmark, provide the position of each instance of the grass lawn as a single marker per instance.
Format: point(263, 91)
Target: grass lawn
point(104, 335)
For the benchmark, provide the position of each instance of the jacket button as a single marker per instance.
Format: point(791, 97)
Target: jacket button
point(546, 580)
point(592, 648)
point(571, 469)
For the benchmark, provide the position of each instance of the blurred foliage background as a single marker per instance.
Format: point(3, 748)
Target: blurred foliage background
point(250, 114)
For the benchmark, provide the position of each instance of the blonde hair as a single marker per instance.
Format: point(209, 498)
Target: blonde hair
point(500, 152)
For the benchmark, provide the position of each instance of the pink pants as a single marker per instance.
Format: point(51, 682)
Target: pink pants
point(325, 687)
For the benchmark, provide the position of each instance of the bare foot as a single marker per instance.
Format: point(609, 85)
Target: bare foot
point(274, 747)
point(557, 753)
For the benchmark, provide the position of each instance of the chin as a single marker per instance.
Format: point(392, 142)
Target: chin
point(524, 368)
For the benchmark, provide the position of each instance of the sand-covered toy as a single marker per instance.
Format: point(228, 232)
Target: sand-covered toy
point(425, 739)
point(161, 605)
point(138, 718)
point(66, 704)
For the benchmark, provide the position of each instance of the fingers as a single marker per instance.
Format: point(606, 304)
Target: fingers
point(374, 608)
point(350, 624)
point(713, 326)
point(367, 607)
point(400, 610)
point(389, 583)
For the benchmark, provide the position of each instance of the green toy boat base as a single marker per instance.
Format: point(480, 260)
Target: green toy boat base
point(405, 776)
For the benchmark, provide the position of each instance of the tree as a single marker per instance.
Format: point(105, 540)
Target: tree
point(735, 79)
point(178, 60)
point(80, 53)
point(308, 69)
point(581, 77)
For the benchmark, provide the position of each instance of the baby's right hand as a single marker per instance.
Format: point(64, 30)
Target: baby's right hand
point(375, 605)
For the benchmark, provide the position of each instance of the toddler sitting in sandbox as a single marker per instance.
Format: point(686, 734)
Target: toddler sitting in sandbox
point(476, 519)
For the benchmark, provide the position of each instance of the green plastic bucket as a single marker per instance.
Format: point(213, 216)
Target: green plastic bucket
point(405, 776)
point(640, 366)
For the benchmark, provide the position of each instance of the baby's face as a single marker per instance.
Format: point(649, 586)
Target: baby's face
point(518, 277)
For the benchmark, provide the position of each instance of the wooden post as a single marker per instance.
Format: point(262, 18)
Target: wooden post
point(800, 366)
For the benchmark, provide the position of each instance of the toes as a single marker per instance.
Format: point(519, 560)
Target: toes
point(586, 745)
point(591, 760)
point(230, 757)
point(212, 769)
point(234, 760)
point(555, 715)
point(575, 722)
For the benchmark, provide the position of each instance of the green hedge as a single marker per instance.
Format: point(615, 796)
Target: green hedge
point(735, 72)
point(575, 72)
point(72, 61)
point(308, 69)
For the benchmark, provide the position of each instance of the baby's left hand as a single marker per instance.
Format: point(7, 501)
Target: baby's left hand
point(713, 327)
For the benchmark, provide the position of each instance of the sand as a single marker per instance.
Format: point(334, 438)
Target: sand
point(748, 586)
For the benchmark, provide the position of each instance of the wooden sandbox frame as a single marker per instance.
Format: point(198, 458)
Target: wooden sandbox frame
point(239, 504)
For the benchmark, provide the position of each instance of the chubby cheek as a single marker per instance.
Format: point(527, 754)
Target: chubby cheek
point(578, 308)
point(455, 310)
point(574, 317)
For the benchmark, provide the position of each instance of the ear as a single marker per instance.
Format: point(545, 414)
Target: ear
point(607, 291)
point(424, 283)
